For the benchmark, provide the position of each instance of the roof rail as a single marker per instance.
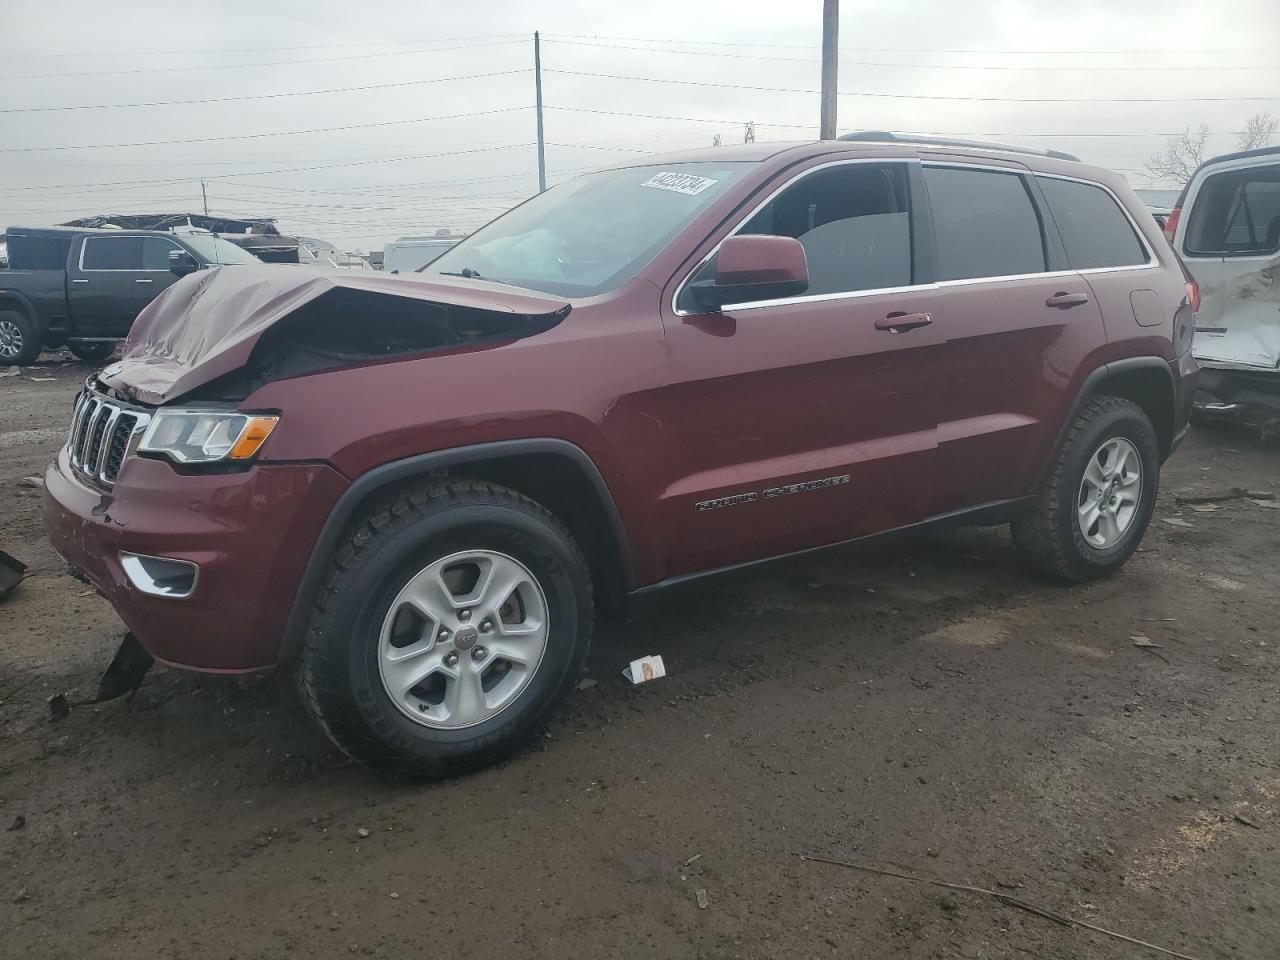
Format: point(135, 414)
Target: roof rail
point(884, 136)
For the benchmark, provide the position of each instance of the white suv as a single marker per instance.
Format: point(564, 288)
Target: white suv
point(1226, 228)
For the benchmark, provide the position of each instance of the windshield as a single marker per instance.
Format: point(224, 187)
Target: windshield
point(586, 236)
point(217, 250)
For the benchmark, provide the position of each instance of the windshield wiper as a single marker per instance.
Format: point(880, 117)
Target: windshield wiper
point(468, 273)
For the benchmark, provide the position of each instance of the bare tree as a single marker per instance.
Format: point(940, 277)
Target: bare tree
point(1259, 131)
point(1181, 155)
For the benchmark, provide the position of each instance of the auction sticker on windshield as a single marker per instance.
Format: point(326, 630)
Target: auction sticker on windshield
point(686, 183)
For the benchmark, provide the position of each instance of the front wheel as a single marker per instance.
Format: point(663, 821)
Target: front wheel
point(1096, 500)
point(94, 350)
point(454, 619)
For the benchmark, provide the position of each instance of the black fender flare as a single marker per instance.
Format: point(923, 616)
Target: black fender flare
point(422, 465)
point(1111, 369)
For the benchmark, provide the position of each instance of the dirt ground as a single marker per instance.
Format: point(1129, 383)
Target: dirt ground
point(930, 709)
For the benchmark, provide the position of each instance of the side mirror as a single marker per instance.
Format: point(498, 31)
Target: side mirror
point(182, 263)
point(754, 267)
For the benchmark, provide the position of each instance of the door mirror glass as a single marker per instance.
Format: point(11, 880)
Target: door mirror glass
point(752, 268)
point(182, 263)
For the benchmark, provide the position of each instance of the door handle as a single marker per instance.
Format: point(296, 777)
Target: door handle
point(899, 322)
point(142, 280)
point(1065, 301)
point(81, 280)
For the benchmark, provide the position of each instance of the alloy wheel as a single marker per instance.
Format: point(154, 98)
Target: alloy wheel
point(1109, 493)
point(11, 340)
point(462, 639)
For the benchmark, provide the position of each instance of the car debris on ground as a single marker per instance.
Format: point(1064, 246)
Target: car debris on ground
point(645, 669)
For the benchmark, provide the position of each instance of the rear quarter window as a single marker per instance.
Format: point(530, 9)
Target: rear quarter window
point(38, 253)
point(984, 224)
point(1094, 230)
point(1236, 214)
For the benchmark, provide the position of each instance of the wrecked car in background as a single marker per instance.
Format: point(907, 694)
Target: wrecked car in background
point(1226, 227)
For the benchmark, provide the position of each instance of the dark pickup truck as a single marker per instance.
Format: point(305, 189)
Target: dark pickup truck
point(83, 288)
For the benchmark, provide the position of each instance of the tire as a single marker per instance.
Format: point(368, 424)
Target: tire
point(360, 615)
point(19, 339)
point(1051, 538)
point(93, 350)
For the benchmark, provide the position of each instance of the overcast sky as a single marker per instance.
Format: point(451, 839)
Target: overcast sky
point(384, 167)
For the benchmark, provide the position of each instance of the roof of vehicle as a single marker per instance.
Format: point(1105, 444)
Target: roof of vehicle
point(1239, 155)
point(87, 231)
point(876, 141)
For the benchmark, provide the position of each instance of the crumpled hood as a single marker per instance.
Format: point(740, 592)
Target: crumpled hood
point(207, 324)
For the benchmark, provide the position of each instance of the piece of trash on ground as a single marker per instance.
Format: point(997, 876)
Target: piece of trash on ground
point(1269, 504)
point(1175, 522)
point(1236, 493)
point(43, 379)
point(11, 372)
point(694, 859)
point(12, 572)
point(1141, 641)
point(58, 706)
point(586, 683)
point(1202, 507)
point(35, 483)
point(701, 896)
point(645, 669)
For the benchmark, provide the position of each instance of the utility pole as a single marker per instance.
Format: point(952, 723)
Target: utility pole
point(204, 194)
point(537, 86)
point(830, 63)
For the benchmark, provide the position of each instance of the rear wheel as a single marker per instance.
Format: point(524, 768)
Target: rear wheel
point(1096, 501)
point(454, 619)
point(19, 344)
point(91, 349)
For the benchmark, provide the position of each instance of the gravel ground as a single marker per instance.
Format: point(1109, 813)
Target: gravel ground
point(929, 708)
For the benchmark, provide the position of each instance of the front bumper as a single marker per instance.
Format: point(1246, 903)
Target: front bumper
point(250, 534)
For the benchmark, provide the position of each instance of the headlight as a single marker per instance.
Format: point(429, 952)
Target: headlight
point(206, 436)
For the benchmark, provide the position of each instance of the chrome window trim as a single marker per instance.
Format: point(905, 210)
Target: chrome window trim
point(87, 240)
point(1133, 224)
point(675, 296)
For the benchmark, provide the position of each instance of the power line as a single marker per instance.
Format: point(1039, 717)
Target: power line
point(240, 66)
point(258, 136)
point(312, 46)
point(265, 96)
point(917, 66)
point(809, 126)
point(911, 96)
point(809, 46)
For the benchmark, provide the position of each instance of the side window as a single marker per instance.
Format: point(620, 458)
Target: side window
point(984, 224)
point(155, 252)
point(112, 253)
point(853, 221)
point(1094, 230)
point(1236, 214)
point(38, 253)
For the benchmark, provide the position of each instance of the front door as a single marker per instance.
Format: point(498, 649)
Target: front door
point(802, 422)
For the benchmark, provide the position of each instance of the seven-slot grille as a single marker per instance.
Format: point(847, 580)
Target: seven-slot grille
point(103, 433)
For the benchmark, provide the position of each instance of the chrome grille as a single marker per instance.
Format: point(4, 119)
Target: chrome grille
point(103, 433)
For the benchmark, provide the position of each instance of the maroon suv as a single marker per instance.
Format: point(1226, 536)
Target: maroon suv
point(417, 491)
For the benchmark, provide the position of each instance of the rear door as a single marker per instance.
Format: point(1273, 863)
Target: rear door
point(113, 279)
point(805, 421)
point(1015, 326)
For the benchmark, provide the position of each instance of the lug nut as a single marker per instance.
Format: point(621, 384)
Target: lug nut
point(479, 653)
point(443, 634)
point(486, 626)
point(464, 615)
point(451, 660)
